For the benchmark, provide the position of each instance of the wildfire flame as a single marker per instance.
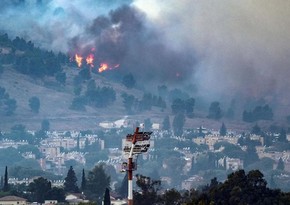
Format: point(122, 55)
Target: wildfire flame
point(103, 67)
point(79, 60)
point(90, 60)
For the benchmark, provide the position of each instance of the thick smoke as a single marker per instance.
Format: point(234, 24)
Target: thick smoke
point(242, 47)
point(225, 48)
point(117, 32)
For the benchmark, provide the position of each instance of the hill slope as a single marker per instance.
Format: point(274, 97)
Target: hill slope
point(55, 103)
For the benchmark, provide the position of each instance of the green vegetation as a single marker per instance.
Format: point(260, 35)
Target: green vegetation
point(239, 188)
point(70, 184)
point(259, 113)
point(29, 59)
point(34, 104)
point(215, 111)
point(7, 105)
point(97, 181)
point(129, 81)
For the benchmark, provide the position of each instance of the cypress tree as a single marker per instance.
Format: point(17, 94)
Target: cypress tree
point(83, 184)
point(6, 185)
point(223, 130)
point(107, 200)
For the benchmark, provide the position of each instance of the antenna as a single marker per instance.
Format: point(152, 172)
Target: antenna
point(136, 143)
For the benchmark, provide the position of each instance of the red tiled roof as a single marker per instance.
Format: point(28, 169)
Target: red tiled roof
point(12, 198)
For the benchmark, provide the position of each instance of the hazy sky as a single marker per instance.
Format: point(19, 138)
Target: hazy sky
point(237, 47)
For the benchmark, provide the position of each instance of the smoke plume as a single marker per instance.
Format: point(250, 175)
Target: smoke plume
point(225, 48)
point(242, 47)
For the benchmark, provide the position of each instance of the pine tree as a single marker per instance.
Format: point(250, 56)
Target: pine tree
point(83, 184)
point(107, 200)
point(6, 185)
point(70, 184)
point(223, 130)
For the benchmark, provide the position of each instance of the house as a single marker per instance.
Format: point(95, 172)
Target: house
point(75, 198)
point(192, 182)
point(118, 202)
point(12, 200)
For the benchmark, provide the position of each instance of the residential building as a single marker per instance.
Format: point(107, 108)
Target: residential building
point(12, 200)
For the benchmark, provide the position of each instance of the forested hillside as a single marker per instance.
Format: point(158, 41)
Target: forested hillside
point(37, 84)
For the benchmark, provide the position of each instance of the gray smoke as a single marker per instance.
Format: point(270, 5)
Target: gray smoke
point(225, 48)
point(242, 47)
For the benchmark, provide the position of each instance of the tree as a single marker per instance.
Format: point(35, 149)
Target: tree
point(189, 106)
point(107, 200)
point(282, 136)
point(251, 155)
point(171, 197)
point(256, 130)
point(215, 111)
point(34, 104)
point(177, 106)
point(223, 130)
point(178, 123)
point(6, 185)
point(149, 189)
point(97, 180)
point(128, 101)
point(259, 113)
point(84, 181)
point(70, 184)
point(45, 125)
point(39, 188)
point(56, 193)
point(129, 81)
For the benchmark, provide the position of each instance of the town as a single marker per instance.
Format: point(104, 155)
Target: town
point(198, 155)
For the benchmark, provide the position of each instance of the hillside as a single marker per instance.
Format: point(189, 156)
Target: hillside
point(55, 102)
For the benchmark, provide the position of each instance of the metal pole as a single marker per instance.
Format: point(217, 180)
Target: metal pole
point(130, 169)
point(130, 182)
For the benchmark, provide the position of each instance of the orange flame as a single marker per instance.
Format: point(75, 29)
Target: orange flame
point(79, 60)
point(103, 67)
point(90, 60)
